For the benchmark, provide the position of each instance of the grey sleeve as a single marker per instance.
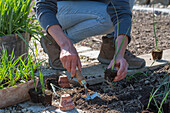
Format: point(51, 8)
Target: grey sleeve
point(120, 13)
point(46, 11)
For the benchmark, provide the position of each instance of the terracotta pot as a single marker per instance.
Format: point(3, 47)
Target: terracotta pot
point(157, 55)
point(16, 94)
point(13, 41)
point(146, 111)
point(66, 103)
point(63, 82)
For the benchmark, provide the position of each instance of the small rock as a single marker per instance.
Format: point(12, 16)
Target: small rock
point(164, 2)
point(142, 2)
point(24, 110)
point(7, 111)
point(147, 82)
point(161, 6)
point(168, 7)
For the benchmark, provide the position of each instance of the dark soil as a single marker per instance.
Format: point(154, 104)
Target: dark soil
point(157, 55)
point(109, 74)
point(34, 95)
point(39, 97)
point(142, 41)
point(127, 96)
point(46, 99)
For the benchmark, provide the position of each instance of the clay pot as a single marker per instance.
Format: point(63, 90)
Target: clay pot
point(157, 55)
point(16, 94)
point(63, 82)
point(66, 103)
point(110, 74)
point(146, 111)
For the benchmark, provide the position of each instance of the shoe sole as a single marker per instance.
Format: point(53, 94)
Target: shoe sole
point(106, 61)
point(49, 61)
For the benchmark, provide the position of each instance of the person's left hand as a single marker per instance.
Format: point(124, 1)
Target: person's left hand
point(122, 67)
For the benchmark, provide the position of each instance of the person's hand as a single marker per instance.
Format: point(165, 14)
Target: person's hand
point(122, 67)
point(70, 59)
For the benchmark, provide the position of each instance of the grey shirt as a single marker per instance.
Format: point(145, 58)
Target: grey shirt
point(119, 11)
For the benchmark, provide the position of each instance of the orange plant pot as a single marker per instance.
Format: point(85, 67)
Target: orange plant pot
point(66, 103)
point(63, 82)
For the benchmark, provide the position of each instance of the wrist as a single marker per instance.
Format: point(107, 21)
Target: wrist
point(66, 45)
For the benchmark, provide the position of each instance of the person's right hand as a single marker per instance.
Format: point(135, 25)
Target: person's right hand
point(68, 56)
point(70, 59)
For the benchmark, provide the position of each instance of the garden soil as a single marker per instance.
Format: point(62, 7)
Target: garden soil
point(127, 95)
point(142, 41)
point(130, 95)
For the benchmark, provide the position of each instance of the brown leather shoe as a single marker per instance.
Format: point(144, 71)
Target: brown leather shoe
point(50, 47)
point(107, 52)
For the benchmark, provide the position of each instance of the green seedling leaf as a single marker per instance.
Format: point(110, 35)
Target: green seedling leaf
point(42, 82)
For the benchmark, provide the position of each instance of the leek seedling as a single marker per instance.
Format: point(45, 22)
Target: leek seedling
point(154, 30)
point(42, 82)
point(33, 77)
point(116, 44)
point(166, 84)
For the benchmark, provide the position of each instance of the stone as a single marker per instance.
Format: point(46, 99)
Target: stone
point(164, 2)
point(142, 2)
point(91, 54)
point(168, 7)
point(81, 49)
point(147, 82)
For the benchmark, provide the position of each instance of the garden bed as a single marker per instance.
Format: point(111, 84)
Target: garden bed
point(126, 95)
point(142, 34)
point(129, 95)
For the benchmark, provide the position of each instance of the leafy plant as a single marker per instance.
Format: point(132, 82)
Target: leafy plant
point(14, 71)
point(15, 19)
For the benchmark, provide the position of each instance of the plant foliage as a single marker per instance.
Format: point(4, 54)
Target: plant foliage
point(15, 19)
point(14, 71)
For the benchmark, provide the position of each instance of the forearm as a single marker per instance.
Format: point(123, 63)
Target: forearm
point(57, 33)
point(124, 46)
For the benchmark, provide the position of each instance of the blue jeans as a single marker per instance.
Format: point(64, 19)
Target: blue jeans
point(82, 19)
